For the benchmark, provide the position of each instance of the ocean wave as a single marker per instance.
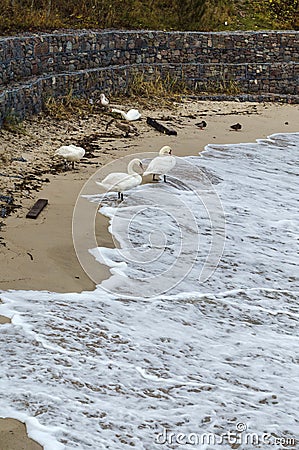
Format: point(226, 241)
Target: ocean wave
point(111, 370)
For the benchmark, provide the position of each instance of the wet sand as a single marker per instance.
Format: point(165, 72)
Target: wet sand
point(13, 436)
point(39, 254)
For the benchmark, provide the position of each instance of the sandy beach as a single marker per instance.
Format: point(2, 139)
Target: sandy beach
point(39, 254)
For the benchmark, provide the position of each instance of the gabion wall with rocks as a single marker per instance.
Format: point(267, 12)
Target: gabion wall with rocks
point(254, 65)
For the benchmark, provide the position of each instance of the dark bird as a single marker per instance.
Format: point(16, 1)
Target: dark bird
point(201, 124)
point(124, 127)
point(236, 126)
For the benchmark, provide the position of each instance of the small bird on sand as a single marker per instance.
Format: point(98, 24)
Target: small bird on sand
point(236, 126)
point(70, 153)
point(104, 100)
point(125, 127)
point(201, 124)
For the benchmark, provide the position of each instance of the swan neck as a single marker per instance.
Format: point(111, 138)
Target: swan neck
point(130, 170)
point(119, 111)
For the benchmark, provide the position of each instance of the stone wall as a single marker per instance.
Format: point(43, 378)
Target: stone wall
point(33, 67)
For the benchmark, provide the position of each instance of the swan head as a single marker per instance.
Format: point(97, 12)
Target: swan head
point(166, 150)
point(134, 162)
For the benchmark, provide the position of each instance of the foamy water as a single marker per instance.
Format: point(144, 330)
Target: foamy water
point(98, 370)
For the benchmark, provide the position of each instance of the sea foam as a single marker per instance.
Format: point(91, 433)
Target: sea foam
point(112, 370)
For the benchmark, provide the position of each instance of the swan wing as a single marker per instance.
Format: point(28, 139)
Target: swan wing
point(113, 178)
point(63, 151)
point(77, 149)
point(160, 165)
point(70, 151)
point(120, 181)
point(130, 182)
point(133, 114)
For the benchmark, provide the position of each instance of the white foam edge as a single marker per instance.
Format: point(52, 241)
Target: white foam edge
point(101, 254)
point(270, 138)
point(43, 435)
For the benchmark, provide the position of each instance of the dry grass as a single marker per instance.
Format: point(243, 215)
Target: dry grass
point(155, 88)
point(21, 15)
point(156, 85)
point(193, 15)
point(222, 86)
point(65, 106)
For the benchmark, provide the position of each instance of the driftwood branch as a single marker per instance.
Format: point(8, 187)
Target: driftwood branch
point(158, 126)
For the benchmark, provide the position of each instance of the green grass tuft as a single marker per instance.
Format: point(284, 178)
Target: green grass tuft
point(13, 124)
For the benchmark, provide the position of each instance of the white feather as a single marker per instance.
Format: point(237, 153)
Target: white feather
point(132, 114)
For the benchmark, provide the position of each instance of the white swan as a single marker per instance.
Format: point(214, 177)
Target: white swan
point(70, 153)
point(121, 181)
point(162, 164)
point(132, 114)
point(104, 100)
